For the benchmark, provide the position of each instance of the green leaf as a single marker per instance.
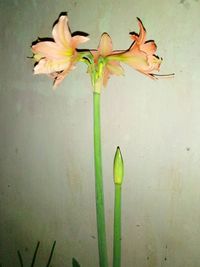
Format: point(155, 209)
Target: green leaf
point(75, 263)
point(20, 258)
point(35, 254)
point(51, 254)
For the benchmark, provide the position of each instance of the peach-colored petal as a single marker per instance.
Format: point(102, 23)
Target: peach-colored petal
point(135, 51)
point(135, 61)
point(139, 38)
point(95, 54)
point(48, 49)
point(141, 54)
point(144, 64)
point(154, 62)
point(105, 45)
point(78, 39)
point(106, 77)
point(149, 47)
point(110, 66)
point(56, 58)
point(60, 77)
point(115, 68)
point(134, 48)
point(142, 34)
point(148, 74)
point(110, 69)
point(134, 36)
point(61, 33)
point(49, 66)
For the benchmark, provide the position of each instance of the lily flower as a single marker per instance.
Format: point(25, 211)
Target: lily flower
point(141, 54)
point(101, 55)
point(58, 57)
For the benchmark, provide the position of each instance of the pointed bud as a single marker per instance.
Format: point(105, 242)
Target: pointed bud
point(118, 168)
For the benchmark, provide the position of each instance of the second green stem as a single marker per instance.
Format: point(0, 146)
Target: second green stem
point(117, 228)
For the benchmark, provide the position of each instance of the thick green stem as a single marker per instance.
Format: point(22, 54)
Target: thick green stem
point(100, 213)
point(117, 227)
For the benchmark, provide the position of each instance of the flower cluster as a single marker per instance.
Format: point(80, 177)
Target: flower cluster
point(57, 57)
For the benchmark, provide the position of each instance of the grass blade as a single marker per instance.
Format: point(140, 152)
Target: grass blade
point(20, 258)
point(51, 254)
point(35, 254)
point(75, 263)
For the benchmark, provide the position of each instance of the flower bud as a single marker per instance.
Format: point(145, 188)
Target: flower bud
point(118, 167)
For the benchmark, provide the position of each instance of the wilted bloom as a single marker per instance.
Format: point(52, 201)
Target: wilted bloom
point(141, 55)
point(59, 56)
point(100, 55)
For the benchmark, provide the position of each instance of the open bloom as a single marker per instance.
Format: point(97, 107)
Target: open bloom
point(102, 53)
point(141, 55)
point(59, 56)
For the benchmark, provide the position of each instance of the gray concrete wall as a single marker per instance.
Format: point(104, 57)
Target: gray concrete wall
point(46, 145)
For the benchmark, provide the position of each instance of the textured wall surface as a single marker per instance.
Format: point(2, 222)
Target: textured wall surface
point(46, 144)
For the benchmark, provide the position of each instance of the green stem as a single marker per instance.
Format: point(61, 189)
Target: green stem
point(117, 227)
point(100, 213)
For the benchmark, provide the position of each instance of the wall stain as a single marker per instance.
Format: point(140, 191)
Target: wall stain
point(176, 183)
point(187, 3)
point(173, 179)
point(151, 249)
point(75, 3)
point(74, 176)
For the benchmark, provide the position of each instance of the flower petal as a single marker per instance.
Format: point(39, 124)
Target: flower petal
point(142, 34)
point(134, 36)
point(148, 74)
point(134, 50)
point(115, 68)
point(136, 60)
point(60, 77)
point(149, 47)
point(61, 33)
point(106, 77)
point(154, 63)
point(105, 45)
point(78, 39)
point(143, 63)
point(49, 66)
point(48, 49)
point(95, 54)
